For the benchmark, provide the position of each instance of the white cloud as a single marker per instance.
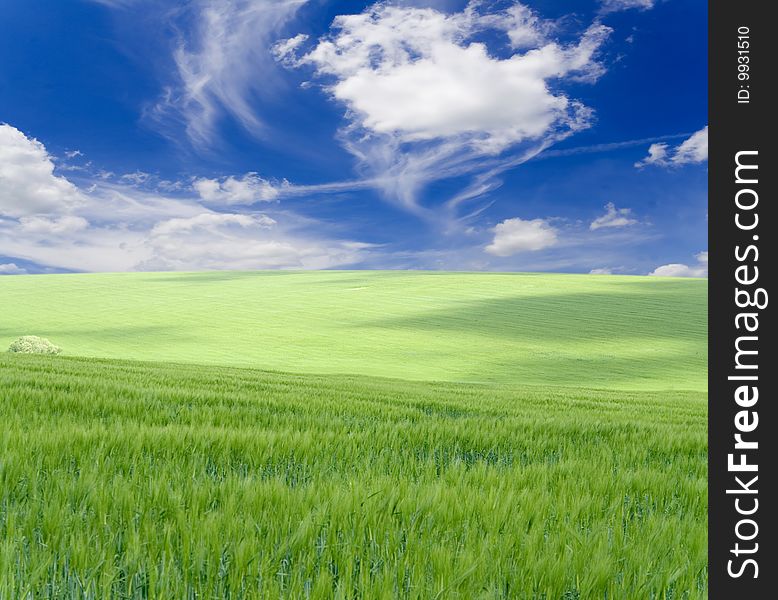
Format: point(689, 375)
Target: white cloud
point(524, 28)
point(135, 178)
point(115, 226)
point(657, 155)
point(238, 241)
point(209, 222)
point(225, 65)
point(694, 149)
point(113, 247)
point(611, 6)
point(683, 270)
point(691, 151)
point(28, 185)
point(44, 225)
point(11, 269)
point(207, 240)
point(230, 191)
point(417, 74)
point(679, 270)
point(603, 271)
point(613, 217)
point(120, 203)
point(427, 100)
point(284, 50)
point(517, 235)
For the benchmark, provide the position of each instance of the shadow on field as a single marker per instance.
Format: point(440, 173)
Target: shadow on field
point(635, 333)
point(576, 316)
point(682, 369)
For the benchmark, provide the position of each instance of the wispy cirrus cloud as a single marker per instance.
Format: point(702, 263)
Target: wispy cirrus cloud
point(223, 67)
point(611, 6)
point(611, 146)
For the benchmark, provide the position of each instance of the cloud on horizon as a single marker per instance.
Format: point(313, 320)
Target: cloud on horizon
point(11, 269)
point(48, 220)
point(682, 270)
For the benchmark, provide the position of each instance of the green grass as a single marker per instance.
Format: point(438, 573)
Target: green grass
point(611, 332)
point(141, 480)
point(360, 435)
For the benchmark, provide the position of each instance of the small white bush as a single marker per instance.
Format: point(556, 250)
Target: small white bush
point(32, 344)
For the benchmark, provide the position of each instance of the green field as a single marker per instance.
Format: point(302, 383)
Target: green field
point(588, 331)
point(395, 435)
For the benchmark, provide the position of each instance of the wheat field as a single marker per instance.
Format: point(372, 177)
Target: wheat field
point(362, 435)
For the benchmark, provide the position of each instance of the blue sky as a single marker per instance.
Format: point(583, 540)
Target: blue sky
point(252, 134)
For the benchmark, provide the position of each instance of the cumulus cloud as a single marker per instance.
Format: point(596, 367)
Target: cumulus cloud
point(11, 269)
point(517, 235)
point(679, 270)
point(426, 98)
point(225, 65)
point(229, 191)
point(417, 74)
point(693, 150)
point(28, 185)
point(613, 217)
point(602, 271)
point(682, 270)
point(116, 226)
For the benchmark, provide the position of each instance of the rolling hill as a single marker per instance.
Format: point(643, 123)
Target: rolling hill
point(611, 332)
